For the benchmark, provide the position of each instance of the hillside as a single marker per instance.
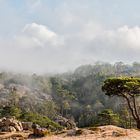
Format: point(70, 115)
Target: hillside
point(77, 95)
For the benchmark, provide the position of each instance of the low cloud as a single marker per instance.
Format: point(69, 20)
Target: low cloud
point(121, 44)
point(35, 35)
point(39, 49)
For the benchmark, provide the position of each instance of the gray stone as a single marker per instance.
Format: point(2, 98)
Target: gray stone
point(65, 122)
point(27, 125)
point(10, 124)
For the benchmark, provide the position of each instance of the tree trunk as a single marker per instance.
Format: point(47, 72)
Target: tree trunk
point(138, 124)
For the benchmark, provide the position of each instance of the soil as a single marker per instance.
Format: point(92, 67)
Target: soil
point(100, 133)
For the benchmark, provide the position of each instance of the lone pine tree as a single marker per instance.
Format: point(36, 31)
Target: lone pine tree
point(127, 88)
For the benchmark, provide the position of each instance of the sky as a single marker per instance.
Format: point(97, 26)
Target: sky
point(47, 36)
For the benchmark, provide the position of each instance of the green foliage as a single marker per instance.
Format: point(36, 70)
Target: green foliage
point(129, 89)
point(13, 97)
point(122, 85)
point(86, 120)
point(10, 111)
point(126, 120)
point(62, 96)
point(108, 117)
point(43, 121)
point(47, 109)
point(77, 95)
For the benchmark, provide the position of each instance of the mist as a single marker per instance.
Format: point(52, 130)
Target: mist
point(43, 37)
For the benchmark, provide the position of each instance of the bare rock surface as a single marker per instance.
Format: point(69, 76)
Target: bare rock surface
point(10, 125)
point(65, 122)
point(27, 125)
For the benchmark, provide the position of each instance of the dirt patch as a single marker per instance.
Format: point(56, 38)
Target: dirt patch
point(99, 133)
point(14, 135)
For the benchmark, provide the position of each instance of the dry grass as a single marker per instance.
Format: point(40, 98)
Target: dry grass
point(99, 133)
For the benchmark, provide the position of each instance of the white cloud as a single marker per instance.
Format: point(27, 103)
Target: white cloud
point(98, 43)
point(123, 37)
point(34, 35)
point(38, 49)
point(129, 36)
point(76, 33)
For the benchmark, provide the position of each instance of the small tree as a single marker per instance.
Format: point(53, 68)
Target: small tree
point(128, 88)
point(10, 111)
point(107, 116)
point(13, 97)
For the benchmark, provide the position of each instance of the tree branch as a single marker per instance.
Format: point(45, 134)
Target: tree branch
point(135, 107)
point(130, 107)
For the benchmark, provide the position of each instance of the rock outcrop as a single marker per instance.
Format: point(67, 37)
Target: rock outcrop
point(38, 131)
point(27, 125)
point(10, 125)
point(69, 124)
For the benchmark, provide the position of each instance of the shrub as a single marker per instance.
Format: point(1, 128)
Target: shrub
point(43, 121)
point(10, 111)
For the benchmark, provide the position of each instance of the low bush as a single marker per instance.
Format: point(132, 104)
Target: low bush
point(43, 121)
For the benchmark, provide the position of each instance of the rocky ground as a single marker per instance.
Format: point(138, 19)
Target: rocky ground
point(99, 133)
point(102, 133)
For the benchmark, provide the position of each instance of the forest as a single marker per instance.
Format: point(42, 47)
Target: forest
point(76, 95)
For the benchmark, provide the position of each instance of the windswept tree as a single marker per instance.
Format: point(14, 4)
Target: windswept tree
point(127, 88)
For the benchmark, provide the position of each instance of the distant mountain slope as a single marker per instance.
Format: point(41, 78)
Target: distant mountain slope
point(76, 95)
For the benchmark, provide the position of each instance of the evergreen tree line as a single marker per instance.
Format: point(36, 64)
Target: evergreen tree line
point(75, 95)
